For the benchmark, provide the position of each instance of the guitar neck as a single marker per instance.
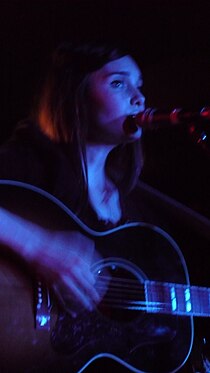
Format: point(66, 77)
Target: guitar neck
point(177, 299)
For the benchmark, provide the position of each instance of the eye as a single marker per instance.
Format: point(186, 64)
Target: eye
point(117, 83)
point(140, 89)
point(140, 86)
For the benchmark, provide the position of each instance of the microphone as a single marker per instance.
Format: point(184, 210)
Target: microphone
point(152, 118)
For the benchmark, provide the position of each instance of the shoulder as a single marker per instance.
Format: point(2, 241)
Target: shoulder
point(28, 155)
point(31, 157)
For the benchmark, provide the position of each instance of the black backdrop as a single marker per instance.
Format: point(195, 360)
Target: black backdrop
point(171, 40)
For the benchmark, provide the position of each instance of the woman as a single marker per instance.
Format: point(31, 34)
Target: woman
point(81, 147)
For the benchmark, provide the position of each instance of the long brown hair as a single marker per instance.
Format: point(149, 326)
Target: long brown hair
point(62, 110)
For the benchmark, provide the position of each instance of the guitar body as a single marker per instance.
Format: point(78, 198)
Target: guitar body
point(134, 253)
point(22, 346)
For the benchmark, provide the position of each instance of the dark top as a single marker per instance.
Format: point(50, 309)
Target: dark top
point(31, 157)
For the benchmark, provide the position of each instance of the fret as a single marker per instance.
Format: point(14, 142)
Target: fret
point(201, 301)
point(177, 299)
point(158, 297)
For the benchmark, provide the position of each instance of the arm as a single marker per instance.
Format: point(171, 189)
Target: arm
point(61, 258)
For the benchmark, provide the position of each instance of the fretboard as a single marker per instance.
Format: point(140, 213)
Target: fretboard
point(177, 299)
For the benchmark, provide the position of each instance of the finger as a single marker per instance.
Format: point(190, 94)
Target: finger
point(76, 291)
point(85, 281)
point(84, 268)
point(62, 301)
point(81, 274)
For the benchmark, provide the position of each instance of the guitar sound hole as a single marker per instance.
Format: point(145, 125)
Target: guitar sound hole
point(122, 293)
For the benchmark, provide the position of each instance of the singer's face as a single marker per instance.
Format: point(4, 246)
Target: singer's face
point(114, 93)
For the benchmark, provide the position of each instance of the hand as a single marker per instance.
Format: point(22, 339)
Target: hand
point(63, 260)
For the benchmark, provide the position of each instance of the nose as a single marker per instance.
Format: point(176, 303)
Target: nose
point(137, 100)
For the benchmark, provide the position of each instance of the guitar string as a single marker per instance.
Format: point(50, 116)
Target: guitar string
point(133, 305)
point(153, 283)
point(122, 303)
point(116, 284)
point(154, 309)
point(110, 299)
point(107, 299)
point(140, 291)
point(198, 305)
point(155, 288)
point(134, 308)
point(135, 283)
point(153, 306)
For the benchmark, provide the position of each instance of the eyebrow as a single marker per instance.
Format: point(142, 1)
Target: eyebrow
point(124, 73)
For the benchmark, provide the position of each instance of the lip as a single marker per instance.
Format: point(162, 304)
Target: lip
point(141, 110)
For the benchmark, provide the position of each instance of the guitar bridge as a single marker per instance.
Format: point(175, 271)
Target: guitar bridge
point(42, 307)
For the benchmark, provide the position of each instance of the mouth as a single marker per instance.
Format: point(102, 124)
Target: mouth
point(129, 125)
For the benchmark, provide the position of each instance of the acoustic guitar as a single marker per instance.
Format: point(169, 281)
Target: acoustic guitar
point(144, 320)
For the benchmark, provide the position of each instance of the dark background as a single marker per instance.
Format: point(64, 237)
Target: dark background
point(171, 40)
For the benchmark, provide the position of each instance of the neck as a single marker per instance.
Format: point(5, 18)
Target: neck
point(96, 160)
point(103, 194)
point(97, 155)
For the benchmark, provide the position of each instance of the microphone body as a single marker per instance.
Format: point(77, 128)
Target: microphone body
point(155, 118)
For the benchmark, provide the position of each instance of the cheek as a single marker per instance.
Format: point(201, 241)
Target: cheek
point(106, 119)
point(109, 107)
point(105, 106)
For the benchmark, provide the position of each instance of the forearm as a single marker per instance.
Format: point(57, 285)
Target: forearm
point(18, 234)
